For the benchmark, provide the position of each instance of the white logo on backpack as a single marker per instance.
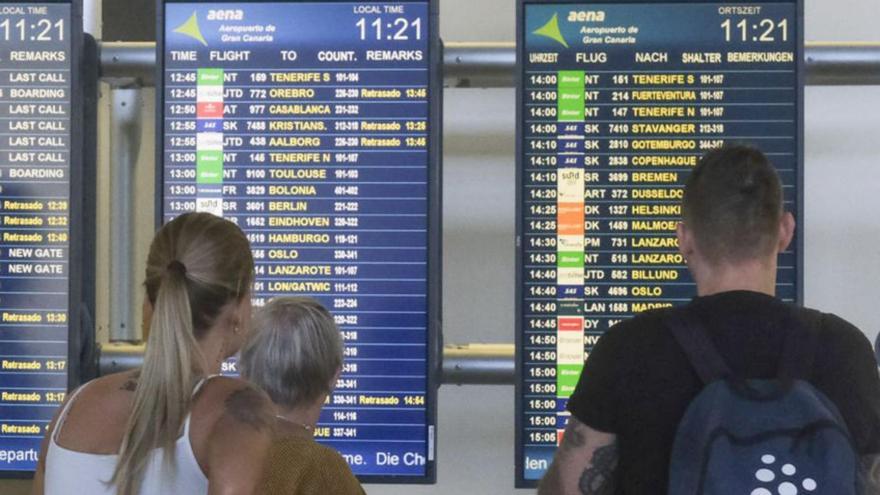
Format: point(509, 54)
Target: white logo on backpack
point(766, 475)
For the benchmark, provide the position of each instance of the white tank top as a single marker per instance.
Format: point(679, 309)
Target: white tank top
point(82, 472)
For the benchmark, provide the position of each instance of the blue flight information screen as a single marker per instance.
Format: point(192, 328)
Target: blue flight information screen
point(309, 125)
point(617, 103)
point(36, 91)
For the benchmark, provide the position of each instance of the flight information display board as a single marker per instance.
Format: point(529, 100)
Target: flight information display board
point(314, 126)
point(617, 102)
point(40, 44)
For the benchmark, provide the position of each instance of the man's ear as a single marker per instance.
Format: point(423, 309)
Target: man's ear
point(685, 240)
point(786, 231)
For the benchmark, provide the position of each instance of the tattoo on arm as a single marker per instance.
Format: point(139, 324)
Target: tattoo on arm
point(585, 463)
point(244, 405)
point(573, 439)
point(598, 477)
point(871, 474)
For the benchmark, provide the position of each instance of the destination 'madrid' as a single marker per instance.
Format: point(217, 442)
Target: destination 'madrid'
point(617, 104)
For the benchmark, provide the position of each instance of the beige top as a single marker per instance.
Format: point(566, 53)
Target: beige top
point(300, 466)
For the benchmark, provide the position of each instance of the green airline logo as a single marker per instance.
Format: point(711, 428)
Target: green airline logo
point(191, 28)
point(567, 377)
point(209, 77)
point(209, 167)
point(551, 30)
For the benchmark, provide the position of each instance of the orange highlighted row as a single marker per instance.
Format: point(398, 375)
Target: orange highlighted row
point(570, 219)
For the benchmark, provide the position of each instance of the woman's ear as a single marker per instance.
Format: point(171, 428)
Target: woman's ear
point(242, 316)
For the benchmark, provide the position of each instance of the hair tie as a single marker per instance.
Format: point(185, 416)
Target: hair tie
point(177, 266)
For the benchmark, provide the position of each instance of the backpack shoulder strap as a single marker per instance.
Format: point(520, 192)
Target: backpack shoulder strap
point(801, 342)
point(697, 346)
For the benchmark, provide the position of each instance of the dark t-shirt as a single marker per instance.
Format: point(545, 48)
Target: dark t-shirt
point(637, 382)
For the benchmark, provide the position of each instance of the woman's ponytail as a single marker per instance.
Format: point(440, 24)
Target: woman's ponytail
point(164, 392)
point(197, 264)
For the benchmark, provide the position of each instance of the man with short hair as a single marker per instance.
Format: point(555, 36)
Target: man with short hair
point(637, 382)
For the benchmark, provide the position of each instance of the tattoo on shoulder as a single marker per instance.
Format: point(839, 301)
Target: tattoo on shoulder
point(598, 478)
point(131, 383)
point(243, 405)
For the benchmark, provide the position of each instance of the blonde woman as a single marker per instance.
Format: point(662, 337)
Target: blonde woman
point(295, 355)
point(171, 427)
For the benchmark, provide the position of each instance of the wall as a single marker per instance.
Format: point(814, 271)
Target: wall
point(842, 257)
point(476, 423)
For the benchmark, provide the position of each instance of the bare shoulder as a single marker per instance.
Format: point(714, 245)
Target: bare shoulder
point(237, 401)
point(232, 429)
point(97, 417)
point(109, 393)
point(230, 416)
point(110, 383)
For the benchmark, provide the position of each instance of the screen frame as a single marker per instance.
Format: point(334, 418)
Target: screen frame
point(434, 350)
point(521, 481)
point(76, 229)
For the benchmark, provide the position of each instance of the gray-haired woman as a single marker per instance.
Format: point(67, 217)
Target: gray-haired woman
point(295, 354)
